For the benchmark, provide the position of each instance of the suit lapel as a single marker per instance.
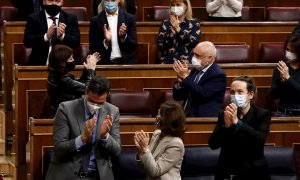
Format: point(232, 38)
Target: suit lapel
point(62, 17)
point(81, 115)
point(206, 74)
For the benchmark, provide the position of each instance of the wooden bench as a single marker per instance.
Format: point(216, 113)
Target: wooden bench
point(284, 132)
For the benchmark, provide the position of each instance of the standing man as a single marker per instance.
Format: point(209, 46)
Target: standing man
point(203, 87)
point(113, 34)
point(50, 27)
point(241, 133)
point(86, 136)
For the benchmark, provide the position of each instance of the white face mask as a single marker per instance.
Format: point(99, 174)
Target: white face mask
point(239, 100)
point(92, 107)
point(290, 56)
point(196, 62)
point(177, 10)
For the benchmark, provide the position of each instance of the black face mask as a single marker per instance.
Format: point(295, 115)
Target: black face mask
point(70, 66)
point(53, 9)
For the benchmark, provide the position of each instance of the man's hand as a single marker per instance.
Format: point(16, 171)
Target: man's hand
point(181, 69)
point(50, 31)
point(89, 126)
point(106, 126)
point(122, 31)
point(107, 34)
point(230, 115)
point(61, 30)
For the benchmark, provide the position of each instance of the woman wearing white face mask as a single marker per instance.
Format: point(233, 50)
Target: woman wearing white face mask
point(179, 34)
point(286, 80)
point(240, 133)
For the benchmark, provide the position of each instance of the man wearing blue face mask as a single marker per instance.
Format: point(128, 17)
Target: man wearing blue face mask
point(240, 133)
point(50, 27)
point(203, 87)
point(113, 33)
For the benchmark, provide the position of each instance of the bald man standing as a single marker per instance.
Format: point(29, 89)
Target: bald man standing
point(202, 88)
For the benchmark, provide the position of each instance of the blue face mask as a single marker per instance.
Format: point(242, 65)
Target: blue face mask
point(110, 6)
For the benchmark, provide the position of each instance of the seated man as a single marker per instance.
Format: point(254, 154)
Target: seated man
point(240, 133)
point(50, 27)
point(86, 136)
point(203, 87)
point(113, 35)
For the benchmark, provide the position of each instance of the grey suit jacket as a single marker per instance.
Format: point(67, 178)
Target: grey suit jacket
point(164, 161)
point(69, 123)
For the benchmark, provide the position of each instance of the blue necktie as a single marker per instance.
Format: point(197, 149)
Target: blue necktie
point(54, 34)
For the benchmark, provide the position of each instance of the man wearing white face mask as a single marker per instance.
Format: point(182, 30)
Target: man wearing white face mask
point(179, 34)
point(203, 87)
point(86, 136)
point(286, 80)
point(240, 133)
point(113, 33)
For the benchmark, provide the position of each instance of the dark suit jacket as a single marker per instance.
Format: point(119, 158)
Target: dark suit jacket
point(35, 29)
point(207, 96)
point(127, 47)
point(69, 123)
point(242, 145)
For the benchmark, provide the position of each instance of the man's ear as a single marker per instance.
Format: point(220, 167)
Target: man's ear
point(251, 95)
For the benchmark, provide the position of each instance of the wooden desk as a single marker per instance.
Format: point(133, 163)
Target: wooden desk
point(284, 132)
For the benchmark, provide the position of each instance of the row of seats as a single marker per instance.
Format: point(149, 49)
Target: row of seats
point(162, 12)
point(159, 13)
point(201, 163)
point(270, 52)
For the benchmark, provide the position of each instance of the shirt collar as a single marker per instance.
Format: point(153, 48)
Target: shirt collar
point(205, 69)
point(116, 14)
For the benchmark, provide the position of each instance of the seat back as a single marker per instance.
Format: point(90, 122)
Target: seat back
point(132, 103)
point(8, 13)
point(81, 53)
point(160, 13)
point(245, 13)
point(233, 53)
point(21, 54)
point(283, 14)
point(80, 12)
point(271, 52)
point(281, 162)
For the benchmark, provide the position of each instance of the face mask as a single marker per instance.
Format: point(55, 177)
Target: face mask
point(196, 62)
point(290, 56)
point(110, 6)
point(177, 10)
point(239, 100)
point(53, 9)
point(70, 66)
point(92, 107)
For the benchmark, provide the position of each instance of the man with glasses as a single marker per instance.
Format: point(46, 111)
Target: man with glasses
point(47, 28)
point(203, 87)
point(86, 136)
point(113, 34)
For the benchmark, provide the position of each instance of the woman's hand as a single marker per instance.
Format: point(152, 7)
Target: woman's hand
point(142, 138)
point(91, 61)
point(175, 23)
point(283, 70)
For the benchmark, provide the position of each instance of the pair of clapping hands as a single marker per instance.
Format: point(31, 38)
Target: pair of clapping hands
point(91, 123)
point(141, 141)
point(283, 70)
point(108, 33)
point(91, 61)
point(60, 30)
point(181, 69)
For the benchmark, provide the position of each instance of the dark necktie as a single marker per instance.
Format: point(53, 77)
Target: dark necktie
point(54, 34)
point(188, 102)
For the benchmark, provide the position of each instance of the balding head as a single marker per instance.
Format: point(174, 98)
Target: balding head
point(206, 52)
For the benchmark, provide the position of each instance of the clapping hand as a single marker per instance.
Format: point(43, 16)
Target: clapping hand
point(106, 126)
point(91, 61)
point(283, 70)
point(50, 31)
point(122, 31)
point(61, 30)
point(230, 115)
point(175, 23)
point(181, 70)
point(141, 140)
point(107, 34)
point(89, 126)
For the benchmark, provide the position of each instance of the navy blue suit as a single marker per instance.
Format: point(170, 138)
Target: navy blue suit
point(35, 29)
point(207, 95)
point(96, 37)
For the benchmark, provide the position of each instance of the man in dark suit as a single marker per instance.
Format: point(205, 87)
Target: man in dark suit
point(86, 136)
point(203, 87)
point(113, 34)
point(240, 133)
point(50, 27)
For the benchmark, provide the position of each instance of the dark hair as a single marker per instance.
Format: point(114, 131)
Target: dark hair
point(294, 40)
point(98, 85)
point(172, 120)
point(58, 58)
point(250, 83)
